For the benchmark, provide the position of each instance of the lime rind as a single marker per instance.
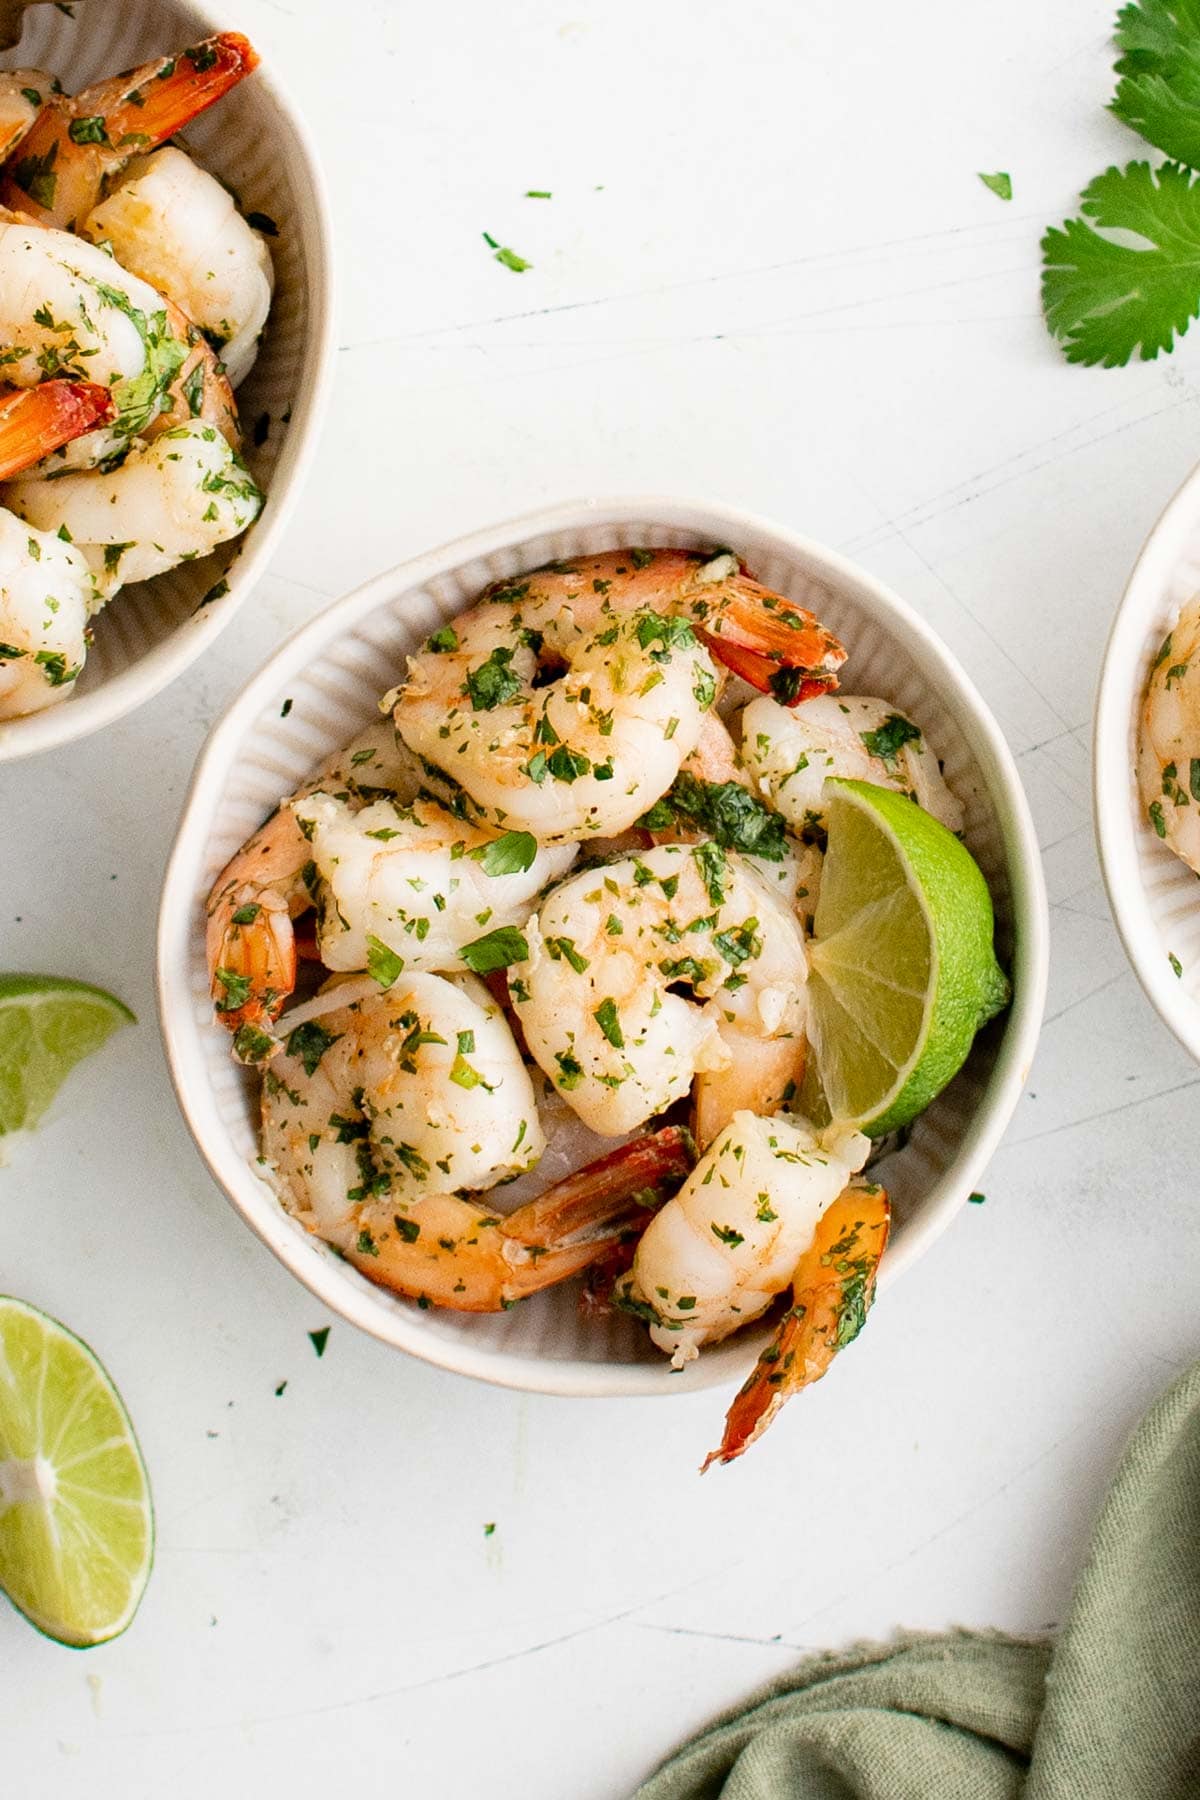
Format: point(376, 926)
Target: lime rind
point(76, 1521)
point(904, 972)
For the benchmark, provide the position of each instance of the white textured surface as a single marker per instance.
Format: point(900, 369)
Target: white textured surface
point(334, 673)
point(154, 629)
point(820, 314)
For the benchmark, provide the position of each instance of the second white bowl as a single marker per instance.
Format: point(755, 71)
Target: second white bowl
point(1154, 897)
point(255, 140)
point(333, 672)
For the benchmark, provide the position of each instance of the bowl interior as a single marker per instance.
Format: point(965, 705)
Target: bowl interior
point(333, 673)
point(250, 140)
point(1153, 894)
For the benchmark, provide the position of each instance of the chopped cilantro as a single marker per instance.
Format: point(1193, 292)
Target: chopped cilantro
point(383, 964)
point(1000, 184)
point(496, 950)
point(511, 854)
point(887, 742)
point(88, 130)
point(606, 1017)
point(730, 814)
point(566, 764)
point(320, 1339)
point(564, 947)
point(493, 682)
point(309, 1042)
point(250, 1045)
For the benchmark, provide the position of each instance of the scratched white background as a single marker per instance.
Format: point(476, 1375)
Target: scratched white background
point(768, 274)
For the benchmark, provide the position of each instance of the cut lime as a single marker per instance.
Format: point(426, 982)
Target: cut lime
point(76, 1529)
point(47, 1025)
point(903, 972)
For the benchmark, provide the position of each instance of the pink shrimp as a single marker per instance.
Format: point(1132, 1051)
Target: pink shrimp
point(832, 1291)
point(77, 144)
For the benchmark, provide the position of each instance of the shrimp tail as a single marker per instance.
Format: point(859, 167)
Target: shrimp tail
point(35, 421)
point(788, 685)
point(585, 1217)
point(251, 956)
point(158, 99)
point(76, 144)
point(775, 644)
point(832, 1292)
point(251, 940)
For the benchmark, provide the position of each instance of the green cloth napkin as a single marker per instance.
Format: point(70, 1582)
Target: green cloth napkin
point(1111, 1711)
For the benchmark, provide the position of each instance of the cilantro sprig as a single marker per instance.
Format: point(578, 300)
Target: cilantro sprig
point(1107, 297)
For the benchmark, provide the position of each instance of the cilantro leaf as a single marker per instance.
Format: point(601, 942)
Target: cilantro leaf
point(1000, 183)
point(730, 814)
point(493, 682)
point(511, 854)
point(890, 738)
point(1159, 91)
point(309, 1042)
point(383, 965)
point(496, 950)
point(1105, 299)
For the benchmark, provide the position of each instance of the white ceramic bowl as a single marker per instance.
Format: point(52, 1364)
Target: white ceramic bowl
point(334, 670)
point(255, 140)
point(1154, 897)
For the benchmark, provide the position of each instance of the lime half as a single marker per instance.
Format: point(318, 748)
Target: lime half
point(903, 970)
point(47, 1025)
point(76, 1529)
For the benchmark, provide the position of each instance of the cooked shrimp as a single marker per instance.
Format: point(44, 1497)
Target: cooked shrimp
point(417, 880)
point(66, 309)
point(78, 145)
point(173, 498)
point(390, 871)
point(791, 752)
point(46, 597)
point(598, 996)
point(1169, 743)
point(380, 1111)
point(785, 647)
point(46, 587)
point(717, 1255)
point(173, 224)
point(397, 1095)
point(832, 1291)
point(23, 93)
point(450, 1252)
point(584, 754)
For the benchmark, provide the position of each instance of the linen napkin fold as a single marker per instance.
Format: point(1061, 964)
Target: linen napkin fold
point(1111, 1711)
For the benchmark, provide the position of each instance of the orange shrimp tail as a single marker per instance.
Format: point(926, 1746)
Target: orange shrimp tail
point(784, 682)
point(151, 103)
point(251, 950)
point(832, 1292)
point(35, 421)
point(76, 143)
point(587, 1216)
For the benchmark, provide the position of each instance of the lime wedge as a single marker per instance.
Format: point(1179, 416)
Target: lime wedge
point(76, 1529)
point(903, 972)
point(47, 1025)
